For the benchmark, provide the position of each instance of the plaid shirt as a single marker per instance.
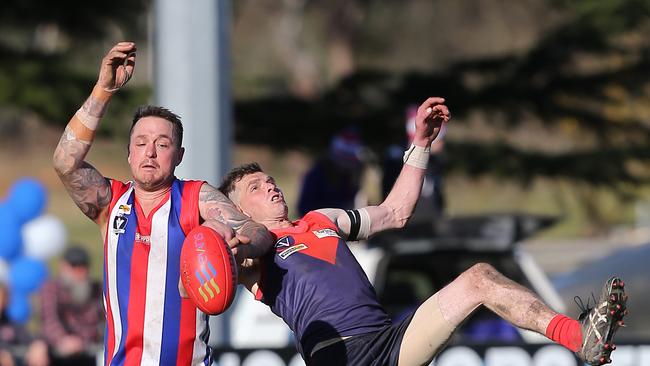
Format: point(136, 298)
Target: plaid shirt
point(61, 316)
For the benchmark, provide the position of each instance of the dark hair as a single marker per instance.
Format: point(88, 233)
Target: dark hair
point(236, 174)
point(76, 256)
point(156, 111)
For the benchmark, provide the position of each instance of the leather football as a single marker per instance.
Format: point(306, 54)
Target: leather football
point(208, 270)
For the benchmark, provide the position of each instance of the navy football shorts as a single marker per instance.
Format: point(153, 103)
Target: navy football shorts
point(380, 348)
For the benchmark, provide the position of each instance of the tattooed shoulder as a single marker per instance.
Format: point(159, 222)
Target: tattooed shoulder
point(90, 191)
point(214, 205)
point(210, 194)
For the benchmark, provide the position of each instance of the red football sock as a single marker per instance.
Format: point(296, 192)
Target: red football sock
point(565, 331)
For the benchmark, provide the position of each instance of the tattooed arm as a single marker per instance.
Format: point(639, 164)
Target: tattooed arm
point(87, 187)
point(216, 209)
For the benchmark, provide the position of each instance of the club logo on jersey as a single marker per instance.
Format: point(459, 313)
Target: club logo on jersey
point(124, 209)
point(119, 224)
point(324, 233)
point(286, 245)
point(292, 249)
point(284, 242)
point(206, 279)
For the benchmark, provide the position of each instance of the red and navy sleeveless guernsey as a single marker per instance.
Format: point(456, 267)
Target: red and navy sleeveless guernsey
point(314, 283)
point(147, 322)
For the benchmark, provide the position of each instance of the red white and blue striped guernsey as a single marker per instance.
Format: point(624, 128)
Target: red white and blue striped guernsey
point(147, 322)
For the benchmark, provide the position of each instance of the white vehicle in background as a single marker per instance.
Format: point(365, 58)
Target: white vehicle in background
point(408, 266)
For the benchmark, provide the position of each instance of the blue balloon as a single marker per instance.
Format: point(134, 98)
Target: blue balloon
point(27, 198)
point(19, 308)
point(27, 274)
point(10, 236)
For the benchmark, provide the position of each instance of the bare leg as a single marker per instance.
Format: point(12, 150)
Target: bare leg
point(484, 285)
point(426, 335)
point(479, 285)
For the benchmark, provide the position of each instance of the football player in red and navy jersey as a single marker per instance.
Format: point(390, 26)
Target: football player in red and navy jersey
point(144, 222)
point(313, 282)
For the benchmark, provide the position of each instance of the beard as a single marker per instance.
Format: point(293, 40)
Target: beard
point(151, 182)
point(80, 291)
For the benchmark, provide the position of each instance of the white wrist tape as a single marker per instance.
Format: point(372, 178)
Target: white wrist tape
point(417, 156)
point(88, 120)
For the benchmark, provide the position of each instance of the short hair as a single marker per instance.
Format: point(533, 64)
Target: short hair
point(76, 256)
point(235, 175)
point(156, 111)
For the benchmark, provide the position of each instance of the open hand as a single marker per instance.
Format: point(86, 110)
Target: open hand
point(222, 229)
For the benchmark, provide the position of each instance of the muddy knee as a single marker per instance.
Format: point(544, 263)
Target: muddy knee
point(459, 299)
point(482, 275)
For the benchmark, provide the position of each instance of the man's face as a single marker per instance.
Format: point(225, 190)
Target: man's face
point(74, 273)
point(153, 156)
point(258, 197)
point(76, 279)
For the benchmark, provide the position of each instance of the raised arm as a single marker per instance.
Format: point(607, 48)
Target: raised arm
point(397, 208)
point(85, 184)
point(216, 209)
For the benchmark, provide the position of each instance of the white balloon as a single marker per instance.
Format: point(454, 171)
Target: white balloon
point(44, 237)
point(4, 271)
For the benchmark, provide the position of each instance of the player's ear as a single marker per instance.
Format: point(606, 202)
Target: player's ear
point(242, 210)
point(235, 197)
point(179, 156)
point(236, 202)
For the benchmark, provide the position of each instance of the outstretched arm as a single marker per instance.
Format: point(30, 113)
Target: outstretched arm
point(397, 208)
point(217, 210)
point(85, 184)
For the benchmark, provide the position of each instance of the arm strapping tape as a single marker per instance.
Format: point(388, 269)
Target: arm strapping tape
point(359, 224)
point(417, 156)
point(91, 122)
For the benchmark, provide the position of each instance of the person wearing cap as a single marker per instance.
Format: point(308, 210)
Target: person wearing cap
point(335, 179)
point(71, 311)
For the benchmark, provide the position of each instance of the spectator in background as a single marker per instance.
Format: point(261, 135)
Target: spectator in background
point(13, 336)
point(335, 179)
point(71, 311)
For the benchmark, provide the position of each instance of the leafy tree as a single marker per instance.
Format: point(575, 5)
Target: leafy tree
point(573, 106)
point(41, 47)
